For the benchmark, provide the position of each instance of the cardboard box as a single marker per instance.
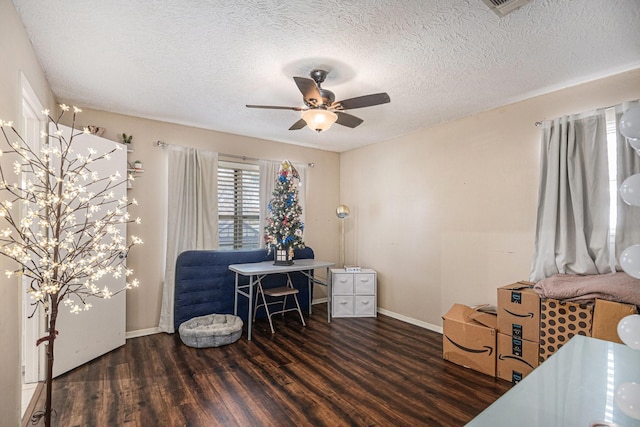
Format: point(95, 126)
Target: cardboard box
point(519, 311)
point(469, 338)
point(516, 358)
point(606, 315)
point(559, 322)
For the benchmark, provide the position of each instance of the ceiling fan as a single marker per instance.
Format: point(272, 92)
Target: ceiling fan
point(321, 109)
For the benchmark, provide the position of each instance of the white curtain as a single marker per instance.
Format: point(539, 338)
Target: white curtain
point(192, 220)
point(573, 199)
point(628, 163)
point(268, 175)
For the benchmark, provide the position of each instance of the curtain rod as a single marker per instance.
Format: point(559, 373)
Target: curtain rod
point(539, 123)
point(162, 144)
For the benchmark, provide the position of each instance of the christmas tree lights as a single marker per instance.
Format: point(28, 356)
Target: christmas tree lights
point(284, 228)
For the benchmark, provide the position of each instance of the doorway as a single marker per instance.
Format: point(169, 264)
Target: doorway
point(32, 123)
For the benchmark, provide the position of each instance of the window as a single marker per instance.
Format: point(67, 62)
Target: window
point(573, 233)
point(612, 150)
point(623, 219)
point(238, 206)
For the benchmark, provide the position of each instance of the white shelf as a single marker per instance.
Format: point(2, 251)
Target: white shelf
point(353, 294)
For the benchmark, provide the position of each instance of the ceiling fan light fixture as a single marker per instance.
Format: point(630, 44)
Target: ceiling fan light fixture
point(321, 110)
point(319, 119)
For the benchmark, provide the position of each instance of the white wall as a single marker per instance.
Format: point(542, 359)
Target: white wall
point(147, 260)
point(17, 56)
point(447, 214)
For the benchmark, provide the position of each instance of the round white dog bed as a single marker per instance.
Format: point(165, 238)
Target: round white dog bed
point(212, 330)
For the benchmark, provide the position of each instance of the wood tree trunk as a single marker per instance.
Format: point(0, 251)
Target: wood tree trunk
point(49, 379)
point(50, 341)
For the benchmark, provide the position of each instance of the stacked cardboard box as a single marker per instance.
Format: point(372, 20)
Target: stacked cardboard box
point(518, 331)
point(526, 331)
point(469, 338)
point(606, 315)
point(561, 320)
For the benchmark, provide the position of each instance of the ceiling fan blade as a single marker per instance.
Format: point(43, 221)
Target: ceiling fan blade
point(298, 125)
point(348, 120)
point(275, 107)
point(362, 101)
point(309, 90)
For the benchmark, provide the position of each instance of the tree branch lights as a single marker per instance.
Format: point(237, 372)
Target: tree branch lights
point(62, 224)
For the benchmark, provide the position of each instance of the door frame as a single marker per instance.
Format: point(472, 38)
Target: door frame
point(32, 123)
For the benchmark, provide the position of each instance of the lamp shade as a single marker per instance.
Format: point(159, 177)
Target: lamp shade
point(342, 211)
point(629, 331)
point(634, 143)
point(319, 119)
point(627, 398)
point(630, 190)
point(630, 261)
point(630, 123)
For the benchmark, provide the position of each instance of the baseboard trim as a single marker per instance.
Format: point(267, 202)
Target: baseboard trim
point(31, 408)
point(411, 320)
point(142, 332)
point(402, 317)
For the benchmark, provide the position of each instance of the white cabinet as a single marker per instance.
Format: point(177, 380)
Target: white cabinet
point(353, 294)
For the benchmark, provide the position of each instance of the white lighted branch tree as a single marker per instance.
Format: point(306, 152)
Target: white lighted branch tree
point(62, 225)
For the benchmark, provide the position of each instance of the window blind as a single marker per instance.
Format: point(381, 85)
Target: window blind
point(238, 206)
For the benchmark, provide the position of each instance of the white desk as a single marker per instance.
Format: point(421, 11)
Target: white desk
point(256, 271)
point(574, 387)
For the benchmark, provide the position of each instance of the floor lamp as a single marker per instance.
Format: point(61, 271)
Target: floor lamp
point(342, 212)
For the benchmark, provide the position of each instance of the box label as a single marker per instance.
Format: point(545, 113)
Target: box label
point(516, 347)
point(516, 330)
point(516, 377)
point(516, 297)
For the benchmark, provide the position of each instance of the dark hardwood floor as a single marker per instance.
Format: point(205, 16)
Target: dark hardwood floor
point(351, 372)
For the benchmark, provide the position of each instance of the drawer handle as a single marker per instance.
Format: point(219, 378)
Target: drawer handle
point(343, 302)
point(365, 302)
point(364, 280)
point(343, 280)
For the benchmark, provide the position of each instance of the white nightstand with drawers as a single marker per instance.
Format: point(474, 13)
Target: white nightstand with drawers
point(353, 294)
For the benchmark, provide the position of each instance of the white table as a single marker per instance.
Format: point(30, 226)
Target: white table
point(574, 387)
point(256, 271)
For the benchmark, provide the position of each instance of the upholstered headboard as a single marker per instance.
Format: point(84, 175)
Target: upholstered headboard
point(205, 285)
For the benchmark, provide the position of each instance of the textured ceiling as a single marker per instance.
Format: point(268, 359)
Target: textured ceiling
point(198, 62)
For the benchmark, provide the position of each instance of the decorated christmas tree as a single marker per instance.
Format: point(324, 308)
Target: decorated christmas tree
point(283, 231)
